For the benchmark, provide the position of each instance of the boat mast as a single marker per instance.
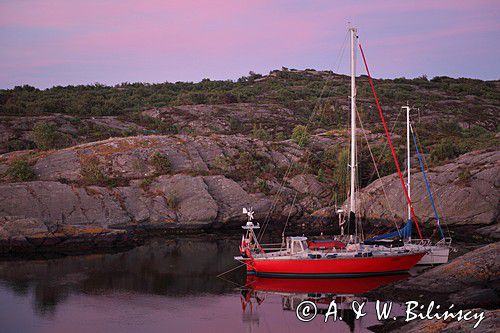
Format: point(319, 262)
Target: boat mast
point(354, 36)
point(408, 184)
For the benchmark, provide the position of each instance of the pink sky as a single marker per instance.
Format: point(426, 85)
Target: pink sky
point(61, 42)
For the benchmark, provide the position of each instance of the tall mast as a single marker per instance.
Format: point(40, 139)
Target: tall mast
point(354, 36)
point(408, 184)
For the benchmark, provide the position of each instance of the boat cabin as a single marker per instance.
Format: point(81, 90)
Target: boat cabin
point(296, 244)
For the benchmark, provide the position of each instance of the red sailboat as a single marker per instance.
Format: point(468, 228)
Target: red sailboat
point(296, 258)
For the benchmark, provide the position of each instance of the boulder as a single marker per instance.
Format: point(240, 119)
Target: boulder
point(465, 191)
point(477, 267)
point(231, 198)
point(490, 232)
point(471, 280)
point(15, 226)
point(189, 197)
point(308, 184)
point(49, 167)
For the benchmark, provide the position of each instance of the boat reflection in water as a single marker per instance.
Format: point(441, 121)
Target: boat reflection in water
point(319, 291)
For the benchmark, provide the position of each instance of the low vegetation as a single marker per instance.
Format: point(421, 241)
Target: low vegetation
point(300, 135)
point(92, 172)
point(46, 136)
point(452, 116)
point(20, 171)
point(172, 201)
point(161, 163)
point(260, 133)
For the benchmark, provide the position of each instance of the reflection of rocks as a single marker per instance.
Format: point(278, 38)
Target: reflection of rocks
point(164, 267)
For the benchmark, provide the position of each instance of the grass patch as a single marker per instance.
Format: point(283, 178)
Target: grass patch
point(300, 135)
point(161, 163)
point(20, 171)
point(91, 171)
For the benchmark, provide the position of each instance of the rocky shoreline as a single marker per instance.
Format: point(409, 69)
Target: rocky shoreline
point(468, 282)
point(110, 193)
point(28, 238)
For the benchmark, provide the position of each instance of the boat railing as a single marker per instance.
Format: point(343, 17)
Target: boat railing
point(420, 242)
point(272, 247)
point(444, 241)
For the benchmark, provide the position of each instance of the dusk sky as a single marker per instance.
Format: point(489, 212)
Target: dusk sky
point(63, 42)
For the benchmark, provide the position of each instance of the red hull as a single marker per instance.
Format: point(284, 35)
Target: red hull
point(338, 267)
point(324, 286)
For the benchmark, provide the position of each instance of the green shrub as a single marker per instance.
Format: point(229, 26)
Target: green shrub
point(145, 183)
point(465, 175)
point(300, 135)
point(321, 177)
point(235, 124)
point(161, 163)
point(445, 150)
point(262, 186)
point(247, 166)
point(450, 127)
point(222, 162)
point(280, 136)
point(172, 200)
point(330, 154)
point(46, 137)
point(16, 145)
point(91, 171)
point(259, 133)
point(341, 175)
point(20, 171)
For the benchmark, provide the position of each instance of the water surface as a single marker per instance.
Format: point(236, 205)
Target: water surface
point(167, 285)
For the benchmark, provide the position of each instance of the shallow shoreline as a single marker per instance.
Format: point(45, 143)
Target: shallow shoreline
point(73, 240)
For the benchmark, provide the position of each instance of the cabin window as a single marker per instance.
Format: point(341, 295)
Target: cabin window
point(298, 246)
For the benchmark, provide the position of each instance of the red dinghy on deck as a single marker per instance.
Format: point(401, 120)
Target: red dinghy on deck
point(326, 244)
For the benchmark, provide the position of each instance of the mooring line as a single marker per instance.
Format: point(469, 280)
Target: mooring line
point(232, 269)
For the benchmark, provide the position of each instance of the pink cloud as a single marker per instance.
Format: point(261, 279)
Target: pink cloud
point(238, 35)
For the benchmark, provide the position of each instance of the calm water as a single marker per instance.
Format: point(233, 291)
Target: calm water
point(168, 285)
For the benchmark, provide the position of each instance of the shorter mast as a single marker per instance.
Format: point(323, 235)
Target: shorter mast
point(390, 142)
